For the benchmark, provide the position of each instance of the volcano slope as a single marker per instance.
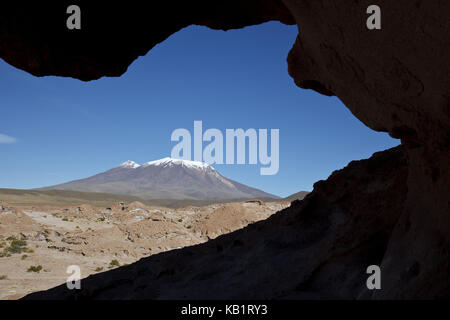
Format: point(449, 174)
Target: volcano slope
point(394, 80)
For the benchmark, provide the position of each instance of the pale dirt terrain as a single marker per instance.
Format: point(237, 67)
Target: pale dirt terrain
point(91, 237)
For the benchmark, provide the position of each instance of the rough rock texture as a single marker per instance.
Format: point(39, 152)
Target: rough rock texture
point(112, 35)
point(318, 248)
point(394, 80)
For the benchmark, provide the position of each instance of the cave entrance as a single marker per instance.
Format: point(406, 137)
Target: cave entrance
point(233, 79)
point(56, 130)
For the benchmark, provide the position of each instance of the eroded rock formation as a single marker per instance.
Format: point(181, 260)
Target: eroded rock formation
point(394, 80)
point(112, 35)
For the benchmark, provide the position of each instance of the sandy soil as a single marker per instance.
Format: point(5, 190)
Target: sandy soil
point(53, 238)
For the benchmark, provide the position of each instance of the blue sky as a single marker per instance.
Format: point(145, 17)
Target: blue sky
point(53, 130)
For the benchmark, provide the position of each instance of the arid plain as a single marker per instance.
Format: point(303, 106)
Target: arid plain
point(39, 241)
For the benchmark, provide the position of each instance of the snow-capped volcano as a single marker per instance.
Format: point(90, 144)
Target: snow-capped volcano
point(130, 164)
point(166, 178)
point(169, 162)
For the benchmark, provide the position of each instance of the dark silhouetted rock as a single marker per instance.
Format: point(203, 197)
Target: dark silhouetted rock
point(394, 80)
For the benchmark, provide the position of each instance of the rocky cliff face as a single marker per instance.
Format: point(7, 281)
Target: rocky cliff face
point(394, 80)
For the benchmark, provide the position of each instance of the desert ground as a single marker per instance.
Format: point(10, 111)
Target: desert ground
point(38, 242)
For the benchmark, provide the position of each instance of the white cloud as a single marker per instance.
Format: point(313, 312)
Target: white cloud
point(7, 139)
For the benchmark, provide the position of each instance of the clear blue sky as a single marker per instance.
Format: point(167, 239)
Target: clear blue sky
point(66, 129)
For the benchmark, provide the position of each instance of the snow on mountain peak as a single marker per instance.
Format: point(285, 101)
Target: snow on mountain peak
point(130, 164)
point(169, 162)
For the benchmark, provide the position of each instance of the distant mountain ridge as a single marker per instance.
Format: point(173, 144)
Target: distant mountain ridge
point(297, 196)
point(166, 178)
